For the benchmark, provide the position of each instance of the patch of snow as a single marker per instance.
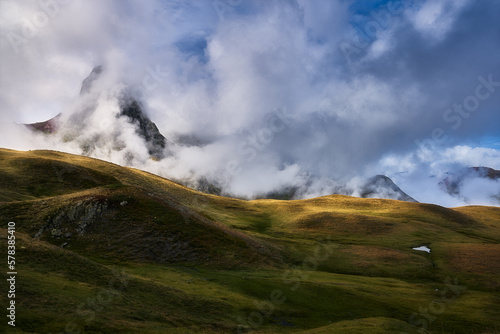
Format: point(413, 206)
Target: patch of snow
point(423, 249)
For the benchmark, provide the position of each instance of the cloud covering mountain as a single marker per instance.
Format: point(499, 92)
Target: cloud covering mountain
point(260, 95)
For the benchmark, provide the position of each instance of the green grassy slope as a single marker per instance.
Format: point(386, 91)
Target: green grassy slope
point(107, 249)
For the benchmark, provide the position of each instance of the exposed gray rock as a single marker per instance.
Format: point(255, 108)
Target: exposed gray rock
point(131, 108)
point(148, 130)
point(380, 186)
point(75, 218)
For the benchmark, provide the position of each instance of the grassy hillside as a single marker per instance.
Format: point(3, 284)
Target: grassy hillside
point(107, 249)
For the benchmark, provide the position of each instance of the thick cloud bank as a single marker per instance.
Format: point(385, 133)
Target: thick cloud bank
point(264, 96)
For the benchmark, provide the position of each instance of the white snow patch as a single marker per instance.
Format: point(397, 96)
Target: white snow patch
point(423, 249)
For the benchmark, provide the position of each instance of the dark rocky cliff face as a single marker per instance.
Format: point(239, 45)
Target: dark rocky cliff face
point(131, 108)
point(146, 128)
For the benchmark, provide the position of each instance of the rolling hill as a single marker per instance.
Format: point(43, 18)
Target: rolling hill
point(108, 249)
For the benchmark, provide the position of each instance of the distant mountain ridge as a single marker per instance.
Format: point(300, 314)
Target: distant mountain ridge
point(157, 145)
point(453, 184)
point(378, 186)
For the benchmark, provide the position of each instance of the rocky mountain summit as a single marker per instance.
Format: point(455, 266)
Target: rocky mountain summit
point(147, 129)
point(129, 107)
point(383, 187)
point(455, 182)
point(87, 83)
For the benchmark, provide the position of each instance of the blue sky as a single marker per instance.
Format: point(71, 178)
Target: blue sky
point(367, 90)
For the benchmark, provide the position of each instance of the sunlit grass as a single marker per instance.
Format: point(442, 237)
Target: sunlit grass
point(197, 263)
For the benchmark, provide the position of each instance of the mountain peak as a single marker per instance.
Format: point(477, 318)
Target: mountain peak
point(87, 82)
point(129, 107)
point(145, 127)
point(454, 182)
point(383, 187)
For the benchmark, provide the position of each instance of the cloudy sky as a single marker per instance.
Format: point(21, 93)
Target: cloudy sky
point(317, 94)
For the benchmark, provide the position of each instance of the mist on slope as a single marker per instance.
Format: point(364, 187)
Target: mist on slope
point(262, 96)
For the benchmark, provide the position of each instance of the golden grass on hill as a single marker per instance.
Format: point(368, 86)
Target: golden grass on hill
point(474, 258)
point(202, 263)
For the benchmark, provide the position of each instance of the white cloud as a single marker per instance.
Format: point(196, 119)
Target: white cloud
point(419, 173)
point(220, 80)
point(473, 156)
point(435, 18)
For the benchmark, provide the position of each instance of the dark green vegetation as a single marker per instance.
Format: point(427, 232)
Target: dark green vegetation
point(107, 249)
